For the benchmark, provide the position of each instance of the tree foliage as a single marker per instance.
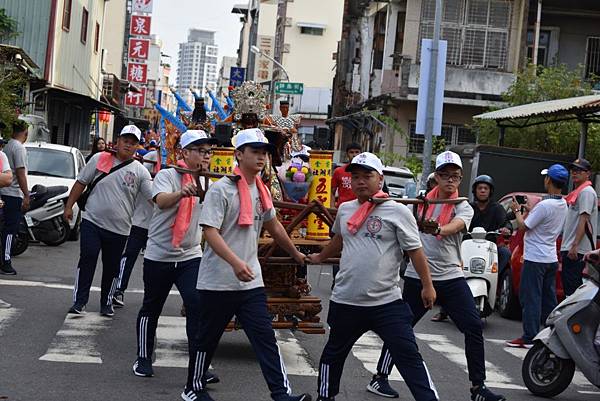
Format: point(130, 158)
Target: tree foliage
point(549, 83)
point(12, 78)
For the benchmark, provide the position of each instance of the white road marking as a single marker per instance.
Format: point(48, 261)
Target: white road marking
point(367, 349)
point(495, 377)
point(25, 283)
point(171, 343)
point(7, 316)
point(295, 357)
point(76, 342)
point(578, 379)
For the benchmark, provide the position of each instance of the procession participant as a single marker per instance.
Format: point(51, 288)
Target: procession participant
point(230, 278)
point(99, 145)
point(340, 181)
point(581, 226)
point(16, 195)
point(441, 236)
point(367, 295)
point(489, 215)
point(174, 248)
point(116, 181)
point(542, 227)
point(5, 181)
point(138, 235)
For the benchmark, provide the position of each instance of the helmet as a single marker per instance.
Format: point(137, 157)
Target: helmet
point(483, 179)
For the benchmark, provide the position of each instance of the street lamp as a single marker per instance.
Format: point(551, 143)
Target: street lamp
point(256, 50)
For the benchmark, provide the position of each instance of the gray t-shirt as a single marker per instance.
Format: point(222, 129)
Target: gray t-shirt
point(111, 203)
point(443, 255)
point(4, 161)
point(144, 207)
point(160, 232)
point(222, 206)
point(17, 158)
point(371, 258)
point(587, 202)
point(153, 156)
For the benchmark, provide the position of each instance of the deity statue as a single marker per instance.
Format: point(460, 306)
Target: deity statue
point(288, 126)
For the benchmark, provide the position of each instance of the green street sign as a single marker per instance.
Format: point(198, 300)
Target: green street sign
point(289, 88)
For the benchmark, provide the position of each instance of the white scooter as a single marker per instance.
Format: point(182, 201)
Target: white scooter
point(567, 342)
point(480, 266)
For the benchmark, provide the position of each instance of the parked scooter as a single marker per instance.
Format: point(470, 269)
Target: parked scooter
point(480, 266)
point(567, 341)
point(44, 220)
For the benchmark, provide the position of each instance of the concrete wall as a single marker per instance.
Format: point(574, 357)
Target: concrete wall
point(76, 66)
point(113, 36)
point(572, 38)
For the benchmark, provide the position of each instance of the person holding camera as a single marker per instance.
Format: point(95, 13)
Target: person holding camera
point(114, 182)
point(442, 230)
point(542, 227)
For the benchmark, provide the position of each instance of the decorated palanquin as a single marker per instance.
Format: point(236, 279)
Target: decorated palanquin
point(303, 212)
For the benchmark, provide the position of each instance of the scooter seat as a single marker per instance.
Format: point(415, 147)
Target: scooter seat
point(41, 194)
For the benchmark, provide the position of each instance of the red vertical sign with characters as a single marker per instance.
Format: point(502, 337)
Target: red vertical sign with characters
point(137, 73)
point(140, 25)
point(134, 99)
point(139, 49)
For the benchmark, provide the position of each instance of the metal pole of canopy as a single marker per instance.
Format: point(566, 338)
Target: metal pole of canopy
point(583, 139)
point(502, 135)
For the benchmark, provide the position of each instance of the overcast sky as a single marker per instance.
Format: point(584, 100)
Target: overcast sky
point(171, 20)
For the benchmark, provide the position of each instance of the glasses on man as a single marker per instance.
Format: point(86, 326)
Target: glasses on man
point(577, 170)
point(449, 177)
point(202, 152)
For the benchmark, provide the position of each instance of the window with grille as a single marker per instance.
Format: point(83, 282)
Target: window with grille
point(592, 57)
point(66, 19)
point(452, 134)
point(477, 31)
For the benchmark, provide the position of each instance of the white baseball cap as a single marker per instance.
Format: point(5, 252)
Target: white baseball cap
point(131, 130)
point(253, 137)
point(366, 160)
point(195, 137)
point(447, 157)
point(305, 151)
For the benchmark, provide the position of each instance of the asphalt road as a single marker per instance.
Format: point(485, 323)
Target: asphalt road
point(46, 355)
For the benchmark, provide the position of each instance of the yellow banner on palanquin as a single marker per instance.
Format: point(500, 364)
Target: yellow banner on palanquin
point(321, 164)
point(222, 161)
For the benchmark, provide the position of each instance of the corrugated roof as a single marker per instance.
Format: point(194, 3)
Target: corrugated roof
point(561, 106)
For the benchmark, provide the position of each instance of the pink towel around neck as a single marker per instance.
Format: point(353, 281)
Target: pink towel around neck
point(105, 162)
point(158, 162)
point(358, 218)
point(246, 217)
point(573, 195)
point(184, 212)
point(445, 215)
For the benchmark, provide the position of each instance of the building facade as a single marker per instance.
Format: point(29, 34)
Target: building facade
point(489, 42)
point(224, 77)
point(197, 63)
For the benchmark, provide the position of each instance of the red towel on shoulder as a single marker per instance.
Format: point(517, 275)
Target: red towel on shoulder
point(105, 162)
point(184, 212)
point(572, 197)
point(246, 217)
point(358, 218)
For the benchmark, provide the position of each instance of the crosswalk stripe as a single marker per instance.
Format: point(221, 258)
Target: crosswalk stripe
point(295, 357)
point(367, 349)
point(58, 286)
point(440, 343)
point(171, 342)
point(7, 316)
point(578, 379)
point(76, 342)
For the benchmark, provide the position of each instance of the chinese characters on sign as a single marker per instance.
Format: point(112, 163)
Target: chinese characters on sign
point(321, 163)
point(142, 6)
point(140, 25)
point(237, 76)
point(289, 88)
point(263, 66)
point(139, 48)
point(134, 99)
point(222, 161)
point(137, 73)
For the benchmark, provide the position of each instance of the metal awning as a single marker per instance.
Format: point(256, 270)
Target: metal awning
point(573, 108)
point(585, 109)
point(311, 25)
point(94, 103)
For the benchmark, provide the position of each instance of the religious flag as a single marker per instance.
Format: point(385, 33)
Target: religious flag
point(216, 106)
point(176, 122)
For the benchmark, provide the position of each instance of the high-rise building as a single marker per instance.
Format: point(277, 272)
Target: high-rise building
point(197, 63)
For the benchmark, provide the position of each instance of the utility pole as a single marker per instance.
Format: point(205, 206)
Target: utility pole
point(435, 47)
point(279, 45)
